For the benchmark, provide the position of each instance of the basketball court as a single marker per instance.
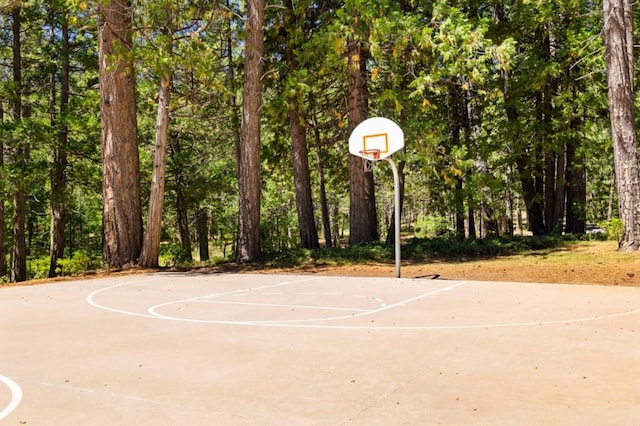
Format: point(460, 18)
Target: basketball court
point(238, 349)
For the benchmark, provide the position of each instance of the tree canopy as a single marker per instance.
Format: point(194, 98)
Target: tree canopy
point(242, 111)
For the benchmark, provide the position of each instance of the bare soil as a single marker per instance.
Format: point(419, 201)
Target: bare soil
point(595, 263)
point(581, 263)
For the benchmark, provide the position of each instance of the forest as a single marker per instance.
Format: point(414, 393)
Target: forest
point(137, 132)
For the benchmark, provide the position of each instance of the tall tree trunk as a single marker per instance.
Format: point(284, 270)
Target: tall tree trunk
point(554, 150)
point(472, 130)
point(299, 151)
point(576, 183)
point(122, 212)
point(248, 246)
point(59, 167)
point(526, 163)
point(182, 217)
point(232, 103)
point(324, 206)
point(3, 232)
point(363, 221)
point(202, 227)
point(457, 116)
point(151, 244)
point(19, 247)
point(618, 38)
point(231, 81)
point(472, 222)
point(302, 183)
point(560, 194)
point(530, 194)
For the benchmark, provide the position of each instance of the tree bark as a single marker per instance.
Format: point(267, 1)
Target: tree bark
point(302, 183)
point(122, 212)
point(59, 167)
point(202, 226)
point(363, 221)
point(324, 205)
point(526, 163)
point(618, 31)
point(182, 217)
point(554, 150)
point(19, 247)
point(576, 185)
point(248, 245)
point(299, 151)
point(457, 117)
point(3, 232)
point(151, 244)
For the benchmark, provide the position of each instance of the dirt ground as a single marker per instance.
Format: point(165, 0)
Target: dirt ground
point(583, 263)
point(595, 262)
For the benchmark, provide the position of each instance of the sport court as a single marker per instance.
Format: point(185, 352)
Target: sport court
point(239, 349)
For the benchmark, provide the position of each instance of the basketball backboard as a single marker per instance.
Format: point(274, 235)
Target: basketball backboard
point(373, 134)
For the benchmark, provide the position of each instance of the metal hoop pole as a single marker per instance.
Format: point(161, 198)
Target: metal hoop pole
point(396, 197)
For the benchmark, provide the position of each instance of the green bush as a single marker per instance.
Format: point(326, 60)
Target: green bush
point(432, 226)
point(613, 228)
point(38, 268)
point(80, 262)
point(173, 254)
point(450, 247)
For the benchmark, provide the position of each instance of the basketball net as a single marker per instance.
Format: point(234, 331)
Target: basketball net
point(370, 157)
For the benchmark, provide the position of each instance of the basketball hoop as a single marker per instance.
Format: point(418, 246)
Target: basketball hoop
point(369, 156)
point(375, 139)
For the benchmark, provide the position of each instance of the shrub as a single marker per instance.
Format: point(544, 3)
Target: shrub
point(38, 268)
point(432, 226)
point(613, 228)
point(80, 262)
point(173, 254)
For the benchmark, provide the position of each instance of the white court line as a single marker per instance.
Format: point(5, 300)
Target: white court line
point(90, 298)
point(281, 322)
point(286, 324)
point(16, 396)
point(369, 312)
point(93, 294)
point(152, 310)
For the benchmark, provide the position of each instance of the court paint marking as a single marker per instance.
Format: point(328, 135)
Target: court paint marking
point(290, 324)
point(90, 298)
point(382, 308)
point(16, 396)
point(153, 311)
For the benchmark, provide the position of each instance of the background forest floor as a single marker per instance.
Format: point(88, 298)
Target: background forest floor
point(579, 262)
point(584, 262)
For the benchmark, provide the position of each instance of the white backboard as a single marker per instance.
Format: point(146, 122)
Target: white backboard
point(376, 133)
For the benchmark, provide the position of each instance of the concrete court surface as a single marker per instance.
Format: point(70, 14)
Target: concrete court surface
point(228, 349)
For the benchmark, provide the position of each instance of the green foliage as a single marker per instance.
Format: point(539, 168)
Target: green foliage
point(374, 252)
point(172, 254)
point(613, 228)
point(420, 248)
point(38, 268)
point(432, 226)
point(440, 69)
point(79, 263)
